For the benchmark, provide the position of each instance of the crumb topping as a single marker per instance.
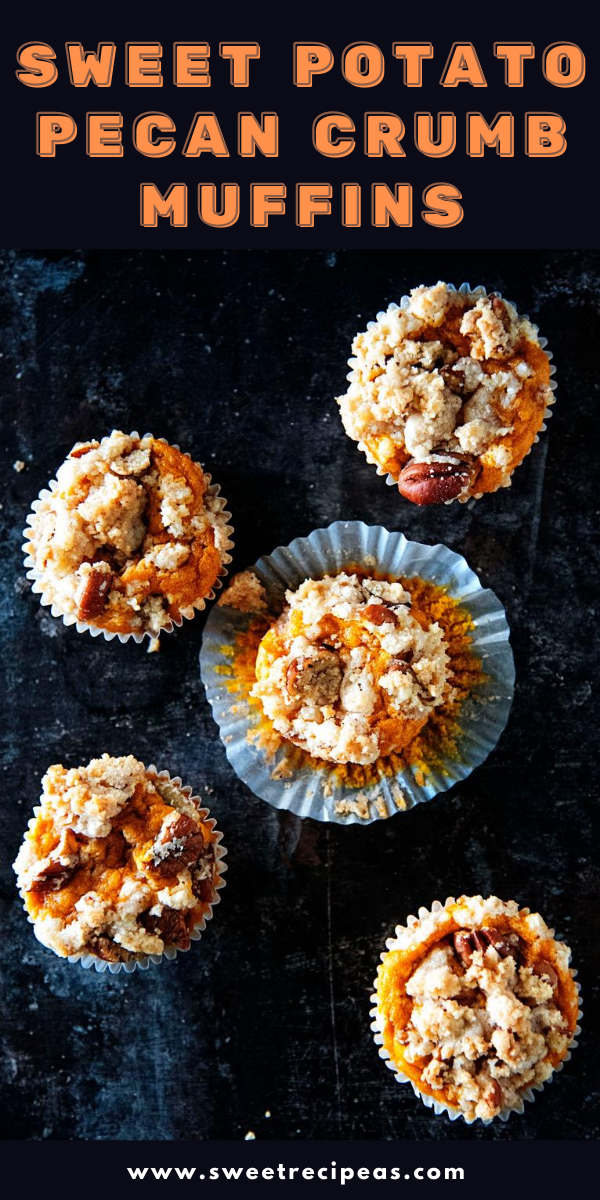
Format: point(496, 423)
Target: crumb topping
point(117, 863)
point(131, 537)
point(477, 1003)
point(451, 374)
point(245, 593)
point(347, 672)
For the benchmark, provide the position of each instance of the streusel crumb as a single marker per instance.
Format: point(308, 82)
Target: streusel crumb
point(476, 1003)
point(117, 862)
point(131, 537)
point(245, 593)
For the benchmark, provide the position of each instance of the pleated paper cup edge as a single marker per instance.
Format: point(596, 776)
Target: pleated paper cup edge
point(466, 288)
point(187, 613)
point(90, 961)
point(221, 704)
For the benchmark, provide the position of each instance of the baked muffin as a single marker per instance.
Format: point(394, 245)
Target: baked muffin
point(447, 395)
point(347, 672)
point(130, 539)
point(476, 1004)
point(119, 862)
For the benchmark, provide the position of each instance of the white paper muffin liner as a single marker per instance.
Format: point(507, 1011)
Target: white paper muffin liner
point(480, 290)
point(219, 505)
point(313, 792)
point(90, 961)
point(438, 1106)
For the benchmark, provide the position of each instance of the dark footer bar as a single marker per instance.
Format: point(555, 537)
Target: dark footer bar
point(469, 1168)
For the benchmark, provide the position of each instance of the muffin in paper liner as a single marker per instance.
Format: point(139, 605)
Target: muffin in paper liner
point(440, 1107)
point(313, 789)
point(480, 290)
point(219, 507)
point(142, 962)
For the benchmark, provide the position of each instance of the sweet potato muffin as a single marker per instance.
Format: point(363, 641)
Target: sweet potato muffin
point(118, 862)
point(347, 672)
point(476, 1003)
point(447, 394)
point(131, 538)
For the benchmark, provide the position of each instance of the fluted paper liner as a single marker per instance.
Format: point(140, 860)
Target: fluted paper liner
point(170, 952)
point(482, 717)
point(219, 506)
point(439, 1106)
point(480, 290)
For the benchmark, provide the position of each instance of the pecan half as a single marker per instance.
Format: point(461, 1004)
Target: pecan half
point(95, 591)
point(543, 968)
point(379, 614)
point(179, 843)
point(434, 481)
point(466, 942)
point(171, 926)
point(316, 676)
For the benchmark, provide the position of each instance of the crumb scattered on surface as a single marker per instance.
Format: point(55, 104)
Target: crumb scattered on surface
point(359, 806)
point(154, 645)
point(245, 593)
point(19, 465)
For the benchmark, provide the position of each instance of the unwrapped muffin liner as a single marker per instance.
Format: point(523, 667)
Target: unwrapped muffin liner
point(439, 1106)
point(313, 792)
point(219, 506)
point(480, 290)
point(142, 963)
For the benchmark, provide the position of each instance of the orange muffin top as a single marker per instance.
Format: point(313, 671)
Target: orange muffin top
point(131, 537)
point(347, 672)
point(117, 862)
point(447, 394)
point(476, 1003)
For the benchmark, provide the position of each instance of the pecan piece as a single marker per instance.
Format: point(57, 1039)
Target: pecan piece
point(316, 677)
point(380, 614)
point(105, 948)
point(434, 481)
point(466, 942)
point(95, 591)
point(54, 871)
point(504, 944)
point(83, 448)
point(171, 926)
point(500, 310)
point(463, 947)
point(543, 968)
point(179, 843)
point(454, 378)
point(494, 1094)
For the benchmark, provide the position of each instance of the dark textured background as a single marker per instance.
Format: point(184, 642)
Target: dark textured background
point(237, 357)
